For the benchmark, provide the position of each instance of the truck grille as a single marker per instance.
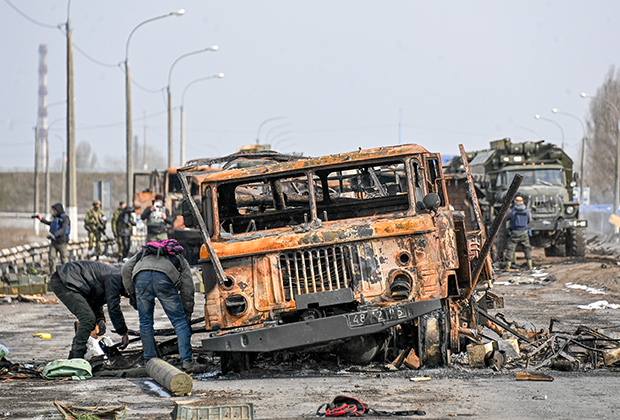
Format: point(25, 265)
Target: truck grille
point(545, 205)
point(315, 270)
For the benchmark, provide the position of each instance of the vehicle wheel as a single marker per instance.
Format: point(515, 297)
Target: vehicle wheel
point(235, 362)
point(576, 242)
point(361, 350)
point(433, 339)
point(555, 251)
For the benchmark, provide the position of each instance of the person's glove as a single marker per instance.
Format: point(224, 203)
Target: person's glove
point(124, 341)
point(101, 325)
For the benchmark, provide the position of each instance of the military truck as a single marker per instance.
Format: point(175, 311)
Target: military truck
point(351, 252)
point(546, 190)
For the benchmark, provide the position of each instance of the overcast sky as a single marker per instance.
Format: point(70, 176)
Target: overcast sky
point(341, 72)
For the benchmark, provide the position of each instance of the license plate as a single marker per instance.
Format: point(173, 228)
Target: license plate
point(376, 316)
point(580, 223)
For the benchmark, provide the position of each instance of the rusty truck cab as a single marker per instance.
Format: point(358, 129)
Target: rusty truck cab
point(332, 249)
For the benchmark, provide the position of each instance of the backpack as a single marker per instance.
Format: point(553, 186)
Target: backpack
point(168, 248)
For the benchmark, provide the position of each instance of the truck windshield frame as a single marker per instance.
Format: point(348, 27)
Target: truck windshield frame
point(538, 176)
point(290, 199)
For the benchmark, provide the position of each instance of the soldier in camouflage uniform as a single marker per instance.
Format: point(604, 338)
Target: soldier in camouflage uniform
point(95, 222)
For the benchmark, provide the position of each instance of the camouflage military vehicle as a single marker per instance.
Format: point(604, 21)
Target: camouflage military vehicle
point(546, 190)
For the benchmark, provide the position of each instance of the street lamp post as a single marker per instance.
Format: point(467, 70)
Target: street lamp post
point(128, 123)
point(215, 76)
point(583, 151)
point(169, 89)
point(538, 117)
point(71, 199)
point(617, 178)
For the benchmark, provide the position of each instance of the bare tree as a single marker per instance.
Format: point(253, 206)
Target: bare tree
point(84, 158)
point(154, 160)
point(603, 125)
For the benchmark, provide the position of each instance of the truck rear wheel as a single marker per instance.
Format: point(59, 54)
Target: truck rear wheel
point(576, 242)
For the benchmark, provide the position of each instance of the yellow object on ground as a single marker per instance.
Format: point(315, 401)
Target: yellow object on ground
point(42, 335)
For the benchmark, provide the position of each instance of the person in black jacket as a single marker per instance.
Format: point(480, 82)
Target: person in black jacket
point(60, 227)
point(124, 230)
point(84, 287)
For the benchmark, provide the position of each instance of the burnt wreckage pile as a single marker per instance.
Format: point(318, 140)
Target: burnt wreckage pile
point(584, 349)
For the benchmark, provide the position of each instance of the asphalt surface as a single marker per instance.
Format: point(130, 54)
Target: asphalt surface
point(289, 390)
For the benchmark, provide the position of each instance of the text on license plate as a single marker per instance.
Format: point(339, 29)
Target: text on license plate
point(376, 316)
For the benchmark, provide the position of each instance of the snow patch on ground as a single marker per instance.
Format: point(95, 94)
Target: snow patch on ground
point(590, 290)
point(601, 304)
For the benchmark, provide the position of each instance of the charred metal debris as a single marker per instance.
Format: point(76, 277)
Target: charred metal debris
point(583, 349)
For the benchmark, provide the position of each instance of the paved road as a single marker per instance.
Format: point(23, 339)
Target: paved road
point(457, 391)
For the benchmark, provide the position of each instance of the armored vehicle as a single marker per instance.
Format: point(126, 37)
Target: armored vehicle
point(352, 251)
point(546, 189)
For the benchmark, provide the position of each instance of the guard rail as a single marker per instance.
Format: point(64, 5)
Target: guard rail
point(36, 255)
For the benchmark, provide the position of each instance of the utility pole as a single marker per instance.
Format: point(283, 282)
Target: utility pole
point(35, 207)
point(71, 199)
point(144, 164)
point(128, 130)
point(42, 139)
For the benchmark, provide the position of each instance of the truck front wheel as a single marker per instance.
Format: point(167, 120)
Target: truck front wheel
point(555, 251)
point(576, 242)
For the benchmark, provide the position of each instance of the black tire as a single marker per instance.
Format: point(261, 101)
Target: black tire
point(576, 242)
point(555, 251)
point(235, 362)
point(363, 349)
point(433, 339)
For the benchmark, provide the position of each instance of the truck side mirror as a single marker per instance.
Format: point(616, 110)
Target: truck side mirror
point(188, 216)
point(431, 201)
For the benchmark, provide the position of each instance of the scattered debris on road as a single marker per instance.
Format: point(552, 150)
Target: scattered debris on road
point(70, 412)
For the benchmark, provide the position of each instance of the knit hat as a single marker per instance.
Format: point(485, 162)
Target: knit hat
point(519, 199)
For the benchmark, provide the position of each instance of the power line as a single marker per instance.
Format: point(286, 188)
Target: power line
point(117, 124)
point(81, 51)
point(328, 130)
point(36, 22)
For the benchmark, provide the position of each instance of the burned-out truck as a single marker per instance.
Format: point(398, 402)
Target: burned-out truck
point(348, 251)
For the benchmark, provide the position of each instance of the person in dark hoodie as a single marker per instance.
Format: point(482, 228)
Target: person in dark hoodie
point(84, 287)
point(60, 227)
point(519, 233)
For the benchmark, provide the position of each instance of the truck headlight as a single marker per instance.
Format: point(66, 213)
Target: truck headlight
point(570, 210)
point(236, 305)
